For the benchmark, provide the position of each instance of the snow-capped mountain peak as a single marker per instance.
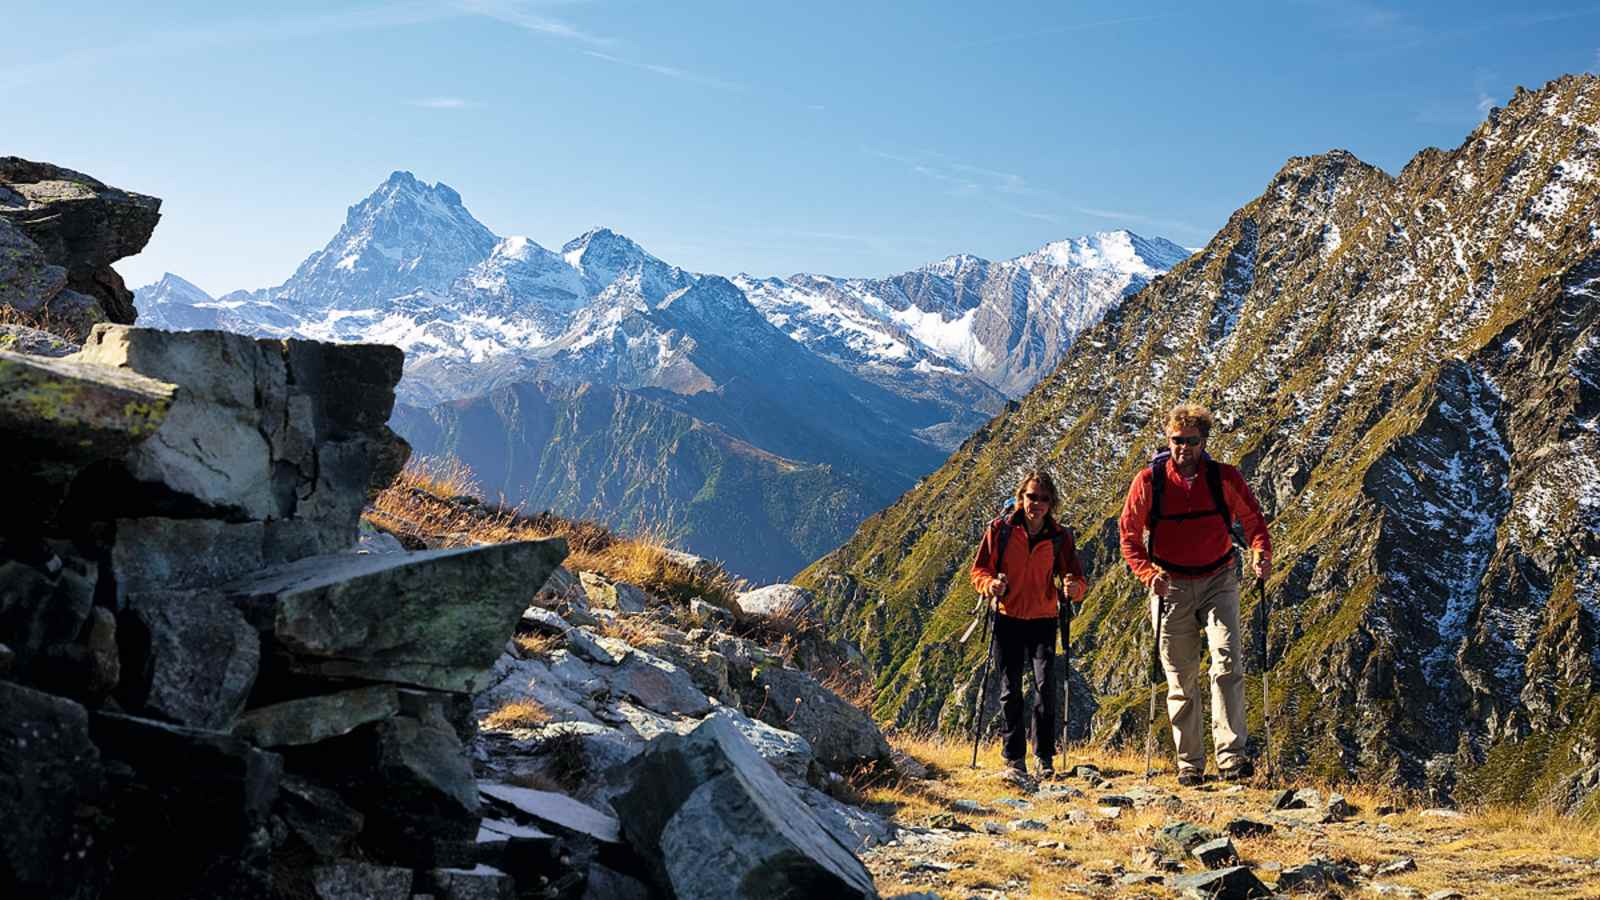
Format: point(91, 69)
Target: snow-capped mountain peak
point(1121, 251)
point(173, 289)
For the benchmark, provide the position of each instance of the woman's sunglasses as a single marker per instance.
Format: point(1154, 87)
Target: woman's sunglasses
point(1040, 498)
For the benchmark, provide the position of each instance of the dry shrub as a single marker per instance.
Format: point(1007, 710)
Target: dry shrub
point(517, 714)
point(539, 645)
point(43, 320)
point(431, 502)
point(442, 476)
point(631, 630)
point(563, 756)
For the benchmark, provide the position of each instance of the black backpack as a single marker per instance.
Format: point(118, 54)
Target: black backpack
point(1158, 486)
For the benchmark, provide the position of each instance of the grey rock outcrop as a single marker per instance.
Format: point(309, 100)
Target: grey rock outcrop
point(60, 231)
point(705, 802)
point(435, 619)
point(782, 601)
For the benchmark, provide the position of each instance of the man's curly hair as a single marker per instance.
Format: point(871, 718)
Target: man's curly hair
point(1190, 415)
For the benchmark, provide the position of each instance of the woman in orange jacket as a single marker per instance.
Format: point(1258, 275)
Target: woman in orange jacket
point(1018, 561)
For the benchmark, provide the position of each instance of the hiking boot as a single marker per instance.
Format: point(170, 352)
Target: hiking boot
point(1191, 778)
point(1239, 771)
point(1044, 768)
point(1017, 766)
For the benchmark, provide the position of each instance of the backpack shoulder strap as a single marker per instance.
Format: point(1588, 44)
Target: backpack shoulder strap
point(1158, 486)
point(1002, 537)
point(1214, 479)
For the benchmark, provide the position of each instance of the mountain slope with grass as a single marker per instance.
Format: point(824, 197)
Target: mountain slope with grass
point(1407, 370)
point(617, 456)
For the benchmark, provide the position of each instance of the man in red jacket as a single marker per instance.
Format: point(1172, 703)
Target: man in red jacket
point(1176, 531)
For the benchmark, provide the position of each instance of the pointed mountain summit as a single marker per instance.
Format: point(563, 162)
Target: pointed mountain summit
point(604, 258)
point(1405, 370)
point(406, 236)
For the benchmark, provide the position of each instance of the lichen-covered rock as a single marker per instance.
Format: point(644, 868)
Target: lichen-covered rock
point(617, 595)
point(437, 619)
point(79, 225)
point(59, 415)
point(33, 341)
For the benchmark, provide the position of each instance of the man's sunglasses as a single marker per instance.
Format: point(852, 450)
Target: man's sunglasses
point(1186, 441)
point(1040, 498)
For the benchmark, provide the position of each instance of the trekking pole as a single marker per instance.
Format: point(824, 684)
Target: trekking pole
point(1064, 614)
point(983, 682)
point(1155, 688)
point(1266, 674)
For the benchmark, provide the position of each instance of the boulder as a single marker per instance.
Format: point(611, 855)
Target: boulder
point(50, 772)
point(316, 815)
point(857, 829)
point(79, 224)
point(311, 719)
point(211, 453)
point(437, 619)
point(553, 811)
point(1319, 876)
point(192, 658)
point(619, 595)
point(28, 279)
point(578, 641)
point(1180, 838)
point(157, 553)
point(351, 386)
point(779, 601)
point(46, 597)
point(31, 341)
point(717, 821)
point(655, 684)
point(412, 782)
point(788, 753)
point(1217, 854)
point(1234, 883)
point(192, 807)
point(58, 416)
point(841, 736)
point(350, 880)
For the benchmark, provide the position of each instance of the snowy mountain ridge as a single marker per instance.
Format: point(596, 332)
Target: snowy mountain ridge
point(411, 266)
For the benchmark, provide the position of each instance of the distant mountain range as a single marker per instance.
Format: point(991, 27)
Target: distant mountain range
point(865, 383)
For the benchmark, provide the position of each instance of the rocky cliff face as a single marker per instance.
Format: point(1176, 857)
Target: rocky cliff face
point(1405, 368)
point(60, 231)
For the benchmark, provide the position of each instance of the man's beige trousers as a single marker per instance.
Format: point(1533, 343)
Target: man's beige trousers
point(1211, 603)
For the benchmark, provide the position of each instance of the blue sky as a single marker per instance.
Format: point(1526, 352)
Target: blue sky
point(855, 138)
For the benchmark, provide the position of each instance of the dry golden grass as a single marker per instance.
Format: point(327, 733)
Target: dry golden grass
point(421, 504)
point(540, 645)
point(42, 320)
point(442, 476)
point(628, 629)
point(517, 714)
point(1493, 852)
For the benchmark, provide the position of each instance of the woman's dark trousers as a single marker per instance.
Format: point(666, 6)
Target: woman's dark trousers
point(1018, 643)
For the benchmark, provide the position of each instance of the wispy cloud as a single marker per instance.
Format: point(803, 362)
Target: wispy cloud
point(522, 15)
point(442, 103)
point(1459, 110)
point(1059, 29)
point(175, 40)
point(668, 71)
point(961, 179)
